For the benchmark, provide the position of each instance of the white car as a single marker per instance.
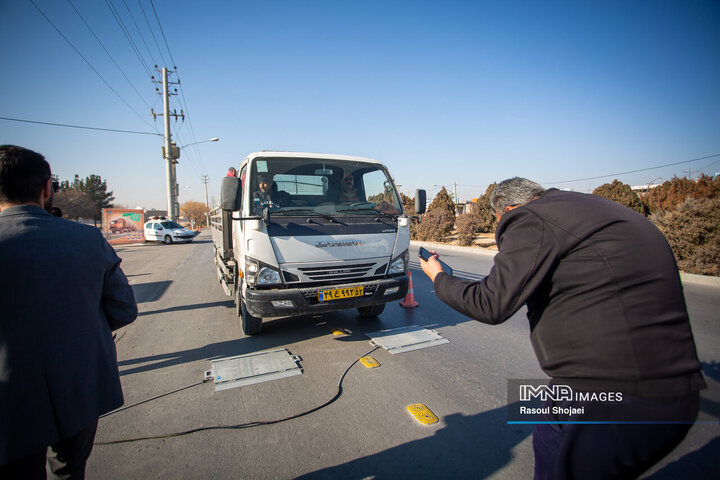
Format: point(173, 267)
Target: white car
point(167, 231)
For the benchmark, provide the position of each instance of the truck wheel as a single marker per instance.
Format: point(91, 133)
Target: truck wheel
point(371, 311)
point(168, 239)
point(251, 325)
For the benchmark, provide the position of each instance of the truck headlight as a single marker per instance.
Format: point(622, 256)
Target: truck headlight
point(399, 264)
point(258, 273)
point(268, 276)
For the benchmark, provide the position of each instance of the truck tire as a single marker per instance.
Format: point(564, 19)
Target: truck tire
point(251, 325)
point(371, 311)
point(168, 240)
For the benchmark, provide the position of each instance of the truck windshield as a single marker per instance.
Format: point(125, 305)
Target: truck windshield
point(307, 186)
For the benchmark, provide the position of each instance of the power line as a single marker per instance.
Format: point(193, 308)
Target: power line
point(633, 171)
point(79, 126)
point(150, 29)
point(183, 105)
point(89, 64)
point(132, 17)
point(162, 32)
point(621, 173)
point(709, 165)
point(152, 32)
point(134, 47)
point(108, 53)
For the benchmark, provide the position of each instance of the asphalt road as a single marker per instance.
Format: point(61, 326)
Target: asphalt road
point(186, 322)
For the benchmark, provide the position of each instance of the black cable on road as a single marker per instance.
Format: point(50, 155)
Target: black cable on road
point(238, 426)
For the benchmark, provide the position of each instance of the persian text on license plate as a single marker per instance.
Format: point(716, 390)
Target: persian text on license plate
point(338, 293)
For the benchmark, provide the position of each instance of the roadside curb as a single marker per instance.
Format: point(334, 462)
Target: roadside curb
point(700, 279)
point(433, 246)
point(684, 277)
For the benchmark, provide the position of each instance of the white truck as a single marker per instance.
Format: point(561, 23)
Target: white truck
point(305, 233)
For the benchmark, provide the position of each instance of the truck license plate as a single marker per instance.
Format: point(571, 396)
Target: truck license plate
point(338, 293)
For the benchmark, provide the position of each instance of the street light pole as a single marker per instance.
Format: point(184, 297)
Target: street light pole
point(204, 177)
point(207, 207)
point(214, 139)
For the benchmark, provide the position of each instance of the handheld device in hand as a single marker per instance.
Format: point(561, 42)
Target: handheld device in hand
point(424, 254)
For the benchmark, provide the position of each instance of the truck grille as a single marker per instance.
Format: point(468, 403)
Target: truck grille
point(330, 273)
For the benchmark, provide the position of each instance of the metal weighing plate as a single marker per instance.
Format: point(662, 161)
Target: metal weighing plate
point(253, 368)
point(405, 339)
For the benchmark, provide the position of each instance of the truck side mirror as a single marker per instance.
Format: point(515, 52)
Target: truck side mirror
point(420, 202)
point(230, 194)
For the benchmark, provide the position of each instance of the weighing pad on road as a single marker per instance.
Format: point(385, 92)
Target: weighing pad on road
point(405, 339)
point(251, 368)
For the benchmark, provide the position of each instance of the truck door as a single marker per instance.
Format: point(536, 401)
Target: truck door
point(239, 226)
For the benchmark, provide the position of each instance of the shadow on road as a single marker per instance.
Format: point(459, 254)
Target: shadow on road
point(700, 464)
point(150, 292)
point(711, 369)
point(286, 331)
point(466, 447)
point(276, 333)
point(180, 308)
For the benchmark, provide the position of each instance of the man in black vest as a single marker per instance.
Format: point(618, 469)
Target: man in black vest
point(607, 314)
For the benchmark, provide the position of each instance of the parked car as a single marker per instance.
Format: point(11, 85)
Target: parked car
point(167, 231)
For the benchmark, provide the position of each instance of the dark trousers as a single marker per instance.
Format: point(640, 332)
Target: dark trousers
point(612, 451)
point(65, 459)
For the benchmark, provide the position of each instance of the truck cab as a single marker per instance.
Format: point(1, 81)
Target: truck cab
point(304, 233)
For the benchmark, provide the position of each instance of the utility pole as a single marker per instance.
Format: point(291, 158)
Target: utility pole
point(170, 151)
point(207, 206)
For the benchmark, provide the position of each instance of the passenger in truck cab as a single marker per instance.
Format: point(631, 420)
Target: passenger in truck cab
point(348, 192)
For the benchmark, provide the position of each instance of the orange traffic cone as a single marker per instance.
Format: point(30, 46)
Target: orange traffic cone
point(409, 301)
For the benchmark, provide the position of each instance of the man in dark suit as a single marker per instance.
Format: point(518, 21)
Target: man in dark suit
point(607, 316)
point(62, 292)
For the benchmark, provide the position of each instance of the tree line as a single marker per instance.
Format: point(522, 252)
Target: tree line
point(686, 211)
point(83, 197)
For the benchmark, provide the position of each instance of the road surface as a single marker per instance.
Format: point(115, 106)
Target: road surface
point(186, 322)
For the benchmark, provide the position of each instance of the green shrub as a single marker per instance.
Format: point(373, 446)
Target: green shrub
point(409, 205)
point(442, 201)
point(623, 194)
point(435, 226)
point(488, 220)
point(675, 191)
point(693, 232)
point(467, 225)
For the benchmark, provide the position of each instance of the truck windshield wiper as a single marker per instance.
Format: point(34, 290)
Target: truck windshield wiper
point(304, 211)
point(365, 210)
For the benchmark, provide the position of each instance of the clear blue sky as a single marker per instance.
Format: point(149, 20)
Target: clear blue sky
point(454, 91)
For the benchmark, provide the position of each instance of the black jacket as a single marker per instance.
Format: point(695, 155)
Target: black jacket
point(62, 291)
point(603, 292)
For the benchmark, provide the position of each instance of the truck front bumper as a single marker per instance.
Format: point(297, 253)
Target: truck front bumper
point(285, 302)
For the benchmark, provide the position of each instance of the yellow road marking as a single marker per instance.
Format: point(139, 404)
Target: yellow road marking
point(422, 414)
point(340, 331)
point(369, 362)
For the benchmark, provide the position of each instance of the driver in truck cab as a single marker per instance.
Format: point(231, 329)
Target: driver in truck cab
point(267, 194)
